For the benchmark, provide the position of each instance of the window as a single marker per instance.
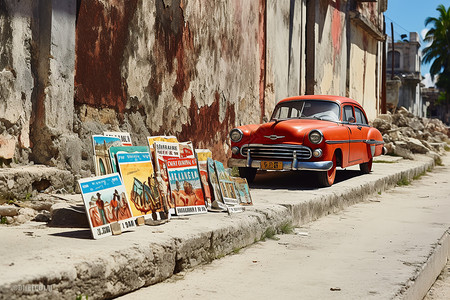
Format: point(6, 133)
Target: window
point(348, 112)
point(360, 118)
point(396, 59)
point(317, 109)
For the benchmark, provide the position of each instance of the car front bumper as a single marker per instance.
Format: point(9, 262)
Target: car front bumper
point(287, 165)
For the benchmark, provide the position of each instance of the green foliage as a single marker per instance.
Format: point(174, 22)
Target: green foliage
point(3, 220)
point(403, 182)
point(236, 250)
point(438, 161)
point(384, 162)
point(418, 176)
point(28, 196)
point(287, 228)
point(270, 233)
point(446, 148)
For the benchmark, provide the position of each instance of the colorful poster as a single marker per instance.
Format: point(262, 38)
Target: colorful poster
point(102, 160)
point(125, 137)
point(161, 138)
point(185, 186)
point(202, 161)
point(242, 190)
point(141, 186)
point(226, 185)
point(124, 149)
point(162, 152)
point(216, 195)
point(106, 202)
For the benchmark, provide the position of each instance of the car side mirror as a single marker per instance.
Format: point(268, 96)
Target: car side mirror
point(351, 120)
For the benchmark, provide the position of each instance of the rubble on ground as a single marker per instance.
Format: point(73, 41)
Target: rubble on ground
point(405, 134)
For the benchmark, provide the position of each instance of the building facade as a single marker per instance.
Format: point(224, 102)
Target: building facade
point(190, 68)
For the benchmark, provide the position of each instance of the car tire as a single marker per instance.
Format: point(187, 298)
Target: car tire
point(247, 173)
point(326, 179)
point(366, 167)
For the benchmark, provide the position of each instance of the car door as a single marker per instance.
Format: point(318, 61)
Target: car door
point(355, 136)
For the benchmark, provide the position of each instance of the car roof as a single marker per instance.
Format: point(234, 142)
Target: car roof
point(338, 99)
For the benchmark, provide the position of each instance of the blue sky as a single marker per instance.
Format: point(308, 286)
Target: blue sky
point(409, 16)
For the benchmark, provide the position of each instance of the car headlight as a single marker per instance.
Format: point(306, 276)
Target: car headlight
point(315, 136)
point(236, 135)
point(235, 150)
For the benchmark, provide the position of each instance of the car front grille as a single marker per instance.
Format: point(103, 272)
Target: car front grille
point(280, 151)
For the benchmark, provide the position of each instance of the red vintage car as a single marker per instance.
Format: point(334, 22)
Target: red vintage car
point(314, 133)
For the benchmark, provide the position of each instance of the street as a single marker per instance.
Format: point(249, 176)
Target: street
point(368, 250)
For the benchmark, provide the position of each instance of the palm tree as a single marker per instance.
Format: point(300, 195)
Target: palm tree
point(438, 50)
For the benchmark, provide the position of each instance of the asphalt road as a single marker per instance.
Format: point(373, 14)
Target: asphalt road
point(369, 250)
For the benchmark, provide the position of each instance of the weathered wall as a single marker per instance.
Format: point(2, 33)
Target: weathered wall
point(285, 59)
point(363, 71)
point(16, 80)
point(187, 68)
point(331, 47)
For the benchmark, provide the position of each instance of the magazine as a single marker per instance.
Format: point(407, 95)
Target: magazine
point(216, 195)
point(123, 136)
point(106, 203)
point(141, 186)
point(242, 190)
point(185, 186)
point(202, 162)
point(226, 185)
point(102, 160)
point(123, 149)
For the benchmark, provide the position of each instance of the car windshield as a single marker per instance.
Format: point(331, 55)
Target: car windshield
point(308, 109)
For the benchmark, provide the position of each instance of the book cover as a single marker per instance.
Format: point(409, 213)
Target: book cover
point(185, 186)
point(242, 190)
point(102, 160)
point(125, 137)
point(123, 149)
point(141, 186)
point(216, 195)
point(226, 185)
point(106, 202)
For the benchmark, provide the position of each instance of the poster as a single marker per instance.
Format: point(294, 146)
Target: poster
point(102, 160)
point(185, 186)
point(125, 137)
point(141, 186)
point(106, 202)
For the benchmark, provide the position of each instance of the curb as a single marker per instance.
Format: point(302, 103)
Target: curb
point(146, 257)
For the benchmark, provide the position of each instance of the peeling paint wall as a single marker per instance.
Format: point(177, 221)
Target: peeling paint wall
point(285, 64)
point(331, 47)
point(16, 80)
point(189, 68)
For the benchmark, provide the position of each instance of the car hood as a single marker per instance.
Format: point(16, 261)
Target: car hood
point(286, 131)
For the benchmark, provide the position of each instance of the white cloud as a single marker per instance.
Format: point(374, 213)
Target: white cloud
point(428, 82)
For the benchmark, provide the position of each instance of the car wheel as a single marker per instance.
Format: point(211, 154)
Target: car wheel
point(366, 167)
point(247, 173)
point(326, 179)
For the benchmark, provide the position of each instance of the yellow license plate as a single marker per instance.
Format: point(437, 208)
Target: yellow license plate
point(272, 165)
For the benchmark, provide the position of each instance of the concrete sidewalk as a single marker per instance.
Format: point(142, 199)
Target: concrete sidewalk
point(41, 262)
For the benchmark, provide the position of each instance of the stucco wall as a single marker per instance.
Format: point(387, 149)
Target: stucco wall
point(16, 80)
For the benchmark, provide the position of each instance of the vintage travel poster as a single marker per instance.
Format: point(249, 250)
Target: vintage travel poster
point(106, 202)
point(202, 161)
point(216, 195)
point(226, 185)
point(102, 161)
point(141, 186)
point(124, 149)
point(185, 186)
point(161, 138)
point(125, 137)
point(163, 151)
point(242, 190)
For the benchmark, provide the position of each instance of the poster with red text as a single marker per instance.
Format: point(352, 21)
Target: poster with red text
point(185, 186)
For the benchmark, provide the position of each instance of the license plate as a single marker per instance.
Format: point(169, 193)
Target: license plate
point(272, 165)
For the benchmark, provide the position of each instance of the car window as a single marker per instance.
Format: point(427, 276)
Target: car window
point(319, 109)
point(348, 112)
point(360, 118)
